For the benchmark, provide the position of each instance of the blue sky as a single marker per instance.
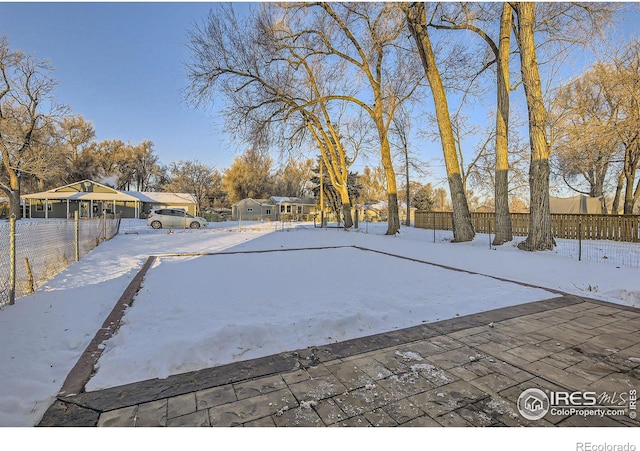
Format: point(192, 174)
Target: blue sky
point(120, 66)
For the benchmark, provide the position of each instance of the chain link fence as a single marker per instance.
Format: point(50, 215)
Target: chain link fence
point(614, 240)
point(35, 251)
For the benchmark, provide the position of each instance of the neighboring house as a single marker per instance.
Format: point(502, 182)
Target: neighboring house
point(294, 208)
point(92, 199)
point(576, 204)
point(254, 210)
point(275, 208)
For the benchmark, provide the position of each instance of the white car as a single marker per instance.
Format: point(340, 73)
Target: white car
point(174, 217)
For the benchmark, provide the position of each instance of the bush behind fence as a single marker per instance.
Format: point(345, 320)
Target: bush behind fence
point(44, 248)
point(613, 239)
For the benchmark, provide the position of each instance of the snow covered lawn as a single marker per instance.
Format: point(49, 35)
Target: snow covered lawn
point(200, 311)
point(205, 311)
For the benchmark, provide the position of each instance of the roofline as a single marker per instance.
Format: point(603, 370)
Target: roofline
point(55, 190)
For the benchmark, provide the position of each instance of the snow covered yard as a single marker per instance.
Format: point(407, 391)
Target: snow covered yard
point(201, 311)
point(206, 311)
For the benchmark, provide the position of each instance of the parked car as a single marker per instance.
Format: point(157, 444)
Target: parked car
point(174, 217)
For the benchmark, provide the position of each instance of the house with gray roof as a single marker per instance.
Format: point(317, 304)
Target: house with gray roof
point(91, 199)
point(276, 208)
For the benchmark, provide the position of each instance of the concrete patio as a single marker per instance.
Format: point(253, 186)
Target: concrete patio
point(467, 371)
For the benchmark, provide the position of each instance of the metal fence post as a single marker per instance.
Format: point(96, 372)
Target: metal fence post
point(104, 225)
point(76, 233)
point(12, 259)
point(579, 241)
point(434, 226)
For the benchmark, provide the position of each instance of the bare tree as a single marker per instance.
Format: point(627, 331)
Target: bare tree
point(194, 178)
point(294, 177)
point(146, 167)
point(250, 175)
point(627, 67)
point(401, 131)
point(401, 127)
point(585, 114)
point(372, 181)
point(47, 158)
point(364, 37)
point(481, 172)
point(562, 25)
point(25, 90)
point(417, 22)
point(274, 91)
point(540, 235)
point(77, 133)
point(466, 18)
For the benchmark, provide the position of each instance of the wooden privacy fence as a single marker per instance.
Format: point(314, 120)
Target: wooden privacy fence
point(569, 226)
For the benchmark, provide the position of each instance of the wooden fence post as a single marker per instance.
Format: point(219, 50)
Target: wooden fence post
point(30, 281)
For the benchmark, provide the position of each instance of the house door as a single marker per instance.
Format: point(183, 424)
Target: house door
point(84, 209)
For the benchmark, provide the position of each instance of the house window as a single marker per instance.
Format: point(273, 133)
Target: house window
point(299, 209)
point(288, 208)
point(281, 208)
point(249, 210)
point(268, 211)
point(40, 206)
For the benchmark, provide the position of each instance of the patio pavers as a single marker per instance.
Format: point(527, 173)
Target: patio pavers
point(467, 371)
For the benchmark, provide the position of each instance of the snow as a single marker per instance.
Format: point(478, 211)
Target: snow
point(202, 310)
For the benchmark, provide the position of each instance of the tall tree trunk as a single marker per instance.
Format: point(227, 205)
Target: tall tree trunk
point(407, 221)
point(629, 199)
point(462, 226)
point(346, 207)
point(596, 189)
point(615, 208)
point(14, 199)
point(334, 161)
point(13, 190)
point(504, 231)
point(540, 234)
point(393, 220)
point(630, 169)
point(636, 194)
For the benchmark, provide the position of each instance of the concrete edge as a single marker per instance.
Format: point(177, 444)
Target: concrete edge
point(84, 367)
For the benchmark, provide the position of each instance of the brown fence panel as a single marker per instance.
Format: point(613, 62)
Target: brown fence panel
point(440, 220)
point(568, 226)
point(483, 222)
